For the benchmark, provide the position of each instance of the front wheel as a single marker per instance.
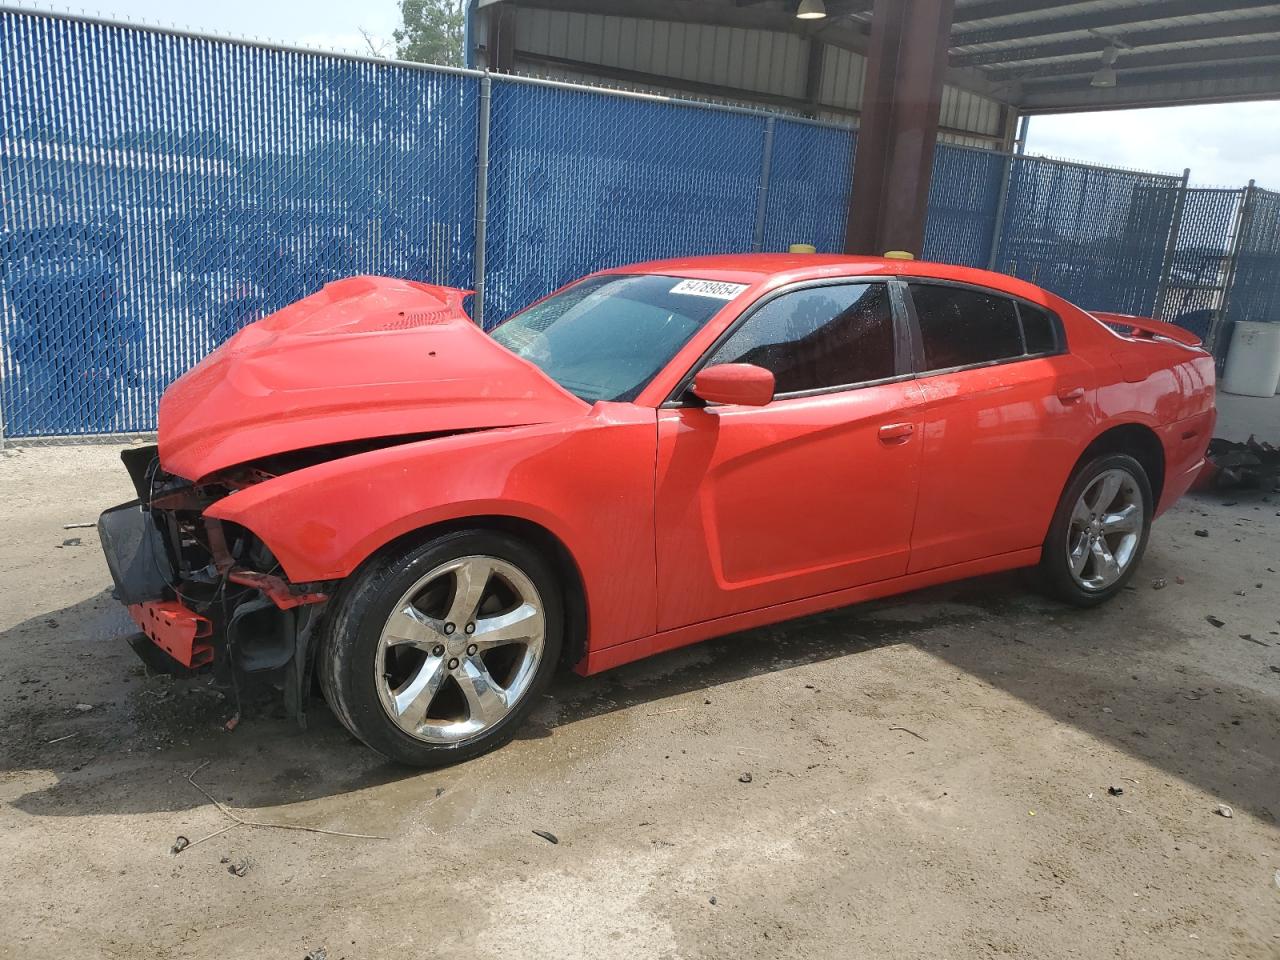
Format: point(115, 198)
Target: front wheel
point(1099, 531)
point(437, 653)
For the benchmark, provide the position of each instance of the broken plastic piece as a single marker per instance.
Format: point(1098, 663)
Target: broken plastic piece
point(274, 587)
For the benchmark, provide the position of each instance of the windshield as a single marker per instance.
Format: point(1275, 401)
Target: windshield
point(606, 337)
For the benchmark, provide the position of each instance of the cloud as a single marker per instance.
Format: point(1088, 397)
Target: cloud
point(1223, 144)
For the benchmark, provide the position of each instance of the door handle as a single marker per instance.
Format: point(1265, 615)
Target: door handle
point(897, 432)
point(1071, 396)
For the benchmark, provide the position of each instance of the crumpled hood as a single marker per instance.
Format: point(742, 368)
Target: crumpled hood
point(365, 357)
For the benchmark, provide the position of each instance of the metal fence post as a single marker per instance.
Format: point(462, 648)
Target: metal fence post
point(997, 229)
point(762, 195)
point(482, 195)
point(1171, 248)
point(2, 380)
point(1233, 259)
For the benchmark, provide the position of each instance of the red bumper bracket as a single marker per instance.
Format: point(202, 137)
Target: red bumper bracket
point(175, 630)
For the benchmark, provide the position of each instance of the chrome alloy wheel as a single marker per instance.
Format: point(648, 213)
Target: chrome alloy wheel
point(1105, 530)
point(460, 649)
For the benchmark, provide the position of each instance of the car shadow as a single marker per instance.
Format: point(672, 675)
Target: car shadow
point(1088, 668)
point(1139, 689)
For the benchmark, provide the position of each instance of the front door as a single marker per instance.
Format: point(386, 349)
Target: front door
point(814, 492)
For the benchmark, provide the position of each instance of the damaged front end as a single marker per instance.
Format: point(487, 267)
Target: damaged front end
point(207, 594)
point(362, 364)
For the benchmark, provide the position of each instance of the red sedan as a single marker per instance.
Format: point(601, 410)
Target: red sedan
point(431, 519)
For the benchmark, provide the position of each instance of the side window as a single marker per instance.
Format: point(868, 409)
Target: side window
point(1039, 328)
point(961, 327)
point(821, 337)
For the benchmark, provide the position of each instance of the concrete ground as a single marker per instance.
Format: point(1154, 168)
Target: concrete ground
point(930, 777)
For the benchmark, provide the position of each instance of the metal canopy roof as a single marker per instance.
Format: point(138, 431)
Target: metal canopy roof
point(1040, 55)
point(1167, 51)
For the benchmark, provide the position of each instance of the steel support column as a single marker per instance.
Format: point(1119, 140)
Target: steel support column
point(813, 75)
point(902, 99)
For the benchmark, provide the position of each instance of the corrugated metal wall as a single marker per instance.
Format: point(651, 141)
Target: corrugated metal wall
point(740, 62)
point(750, 60)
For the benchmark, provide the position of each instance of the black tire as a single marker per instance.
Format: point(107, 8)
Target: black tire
point(1055, 569)
point(348, 646)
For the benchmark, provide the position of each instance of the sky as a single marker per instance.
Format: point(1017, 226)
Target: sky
point(330, 24)
point(1223, 144)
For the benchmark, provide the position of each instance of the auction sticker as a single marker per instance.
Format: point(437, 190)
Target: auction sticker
point(709, 288)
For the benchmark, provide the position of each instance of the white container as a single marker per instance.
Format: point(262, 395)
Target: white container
point(1253, 362)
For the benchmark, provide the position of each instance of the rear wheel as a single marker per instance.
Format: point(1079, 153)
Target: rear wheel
point(1099, 531)
point(436, 654)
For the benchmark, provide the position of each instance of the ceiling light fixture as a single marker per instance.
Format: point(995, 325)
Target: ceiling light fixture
point(1105, 75)
point(811, 10)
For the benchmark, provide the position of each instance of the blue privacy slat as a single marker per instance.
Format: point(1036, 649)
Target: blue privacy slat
point(963, 199)
point(809, 177)
point(161, 191)
point(1201, 263)
point(1094, 236)
point(580, 180)
point(1255, 294)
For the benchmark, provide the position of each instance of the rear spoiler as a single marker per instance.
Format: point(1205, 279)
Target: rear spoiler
point(1148, 329)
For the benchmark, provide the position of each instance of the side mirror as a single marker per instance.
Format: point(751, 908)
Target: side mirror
point(742, 383)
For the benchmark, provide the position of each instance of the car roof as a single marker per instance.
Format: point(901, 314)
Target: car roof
point(754, 267)
point(774, 269)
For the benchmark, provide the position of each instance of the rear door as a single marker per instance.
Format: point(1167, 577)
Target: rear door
point(1007, 411)
point(812, 493)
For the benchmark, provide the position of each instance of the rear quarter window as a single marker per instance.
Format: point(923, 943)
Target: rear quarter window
point(1040, 328)
point(961, 327)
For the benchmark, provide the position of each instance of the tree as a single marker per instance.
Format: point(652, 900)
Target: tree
point(375, 46)
point(431, 31)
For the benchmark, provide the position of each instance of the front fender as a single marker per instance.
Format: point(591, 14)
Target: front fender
point(589, 482)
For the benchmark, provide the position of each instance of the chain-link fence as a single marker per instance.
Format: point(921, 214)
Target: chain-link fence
point(1255, 286)
point(580, 180)
point(964, 204)
point(1198, 268)
point(1093, 235)
point(160, 190)
point(807, 190)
